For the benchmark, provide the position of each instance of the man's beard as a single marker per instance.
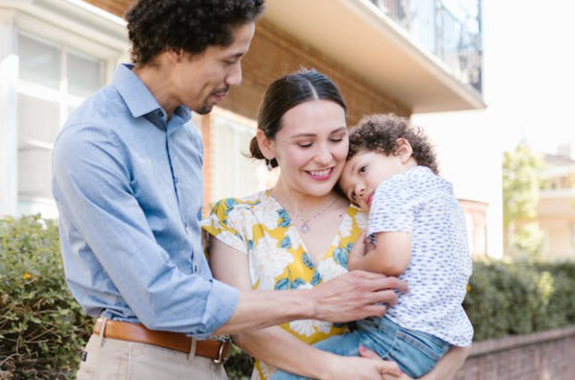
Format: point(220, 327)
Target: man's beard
point(204, 109)
point(207, 108)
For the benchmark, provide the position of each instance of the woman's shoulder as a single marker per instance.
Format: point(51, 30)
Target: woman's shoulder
point(230, 206)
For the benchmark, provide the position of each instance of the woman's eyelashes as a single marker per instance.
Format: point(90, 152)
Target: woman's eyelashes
point(310, 144)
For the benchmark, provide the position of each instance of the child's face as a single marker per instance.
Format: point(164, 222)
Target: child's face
point(364, 172)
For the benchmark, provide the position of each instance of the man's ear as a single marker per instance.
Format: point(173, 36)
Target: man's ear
point(175, 56)
point(403, 150)
point(265, 144)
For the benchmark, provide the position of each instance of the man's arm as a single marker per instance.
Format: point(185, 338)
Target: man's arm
point(349, 297)
point(102, 221)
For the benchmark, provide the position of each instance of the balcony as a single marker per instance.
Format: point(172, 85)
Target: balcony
point(449, 29)
point(422, 67)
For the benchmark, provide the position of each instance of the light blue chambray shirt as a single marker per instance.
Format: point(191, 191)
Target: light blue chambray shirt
point(129, 189)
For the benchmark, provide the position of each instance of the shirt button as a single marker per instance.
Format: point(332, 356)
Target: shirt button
point(160, 114)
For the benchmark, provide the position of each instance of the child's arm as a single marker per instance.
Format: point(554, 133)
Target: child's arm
point(391, 256)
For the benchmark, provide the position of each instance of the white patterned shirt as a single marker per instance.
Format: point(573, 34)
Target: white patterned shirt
point(423, 204)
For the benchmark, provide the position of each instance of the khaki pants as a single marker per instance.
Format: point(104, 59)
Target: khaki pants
point(120, 360)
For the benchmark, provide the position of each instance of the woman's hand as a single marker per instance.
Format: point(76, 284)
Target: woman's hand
point(358, 251)
point(345, 368)
point(445, 369)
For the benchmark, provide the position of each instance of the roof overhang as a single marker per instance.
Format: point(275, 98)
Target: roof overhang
point(71, 16)
point(359, 36)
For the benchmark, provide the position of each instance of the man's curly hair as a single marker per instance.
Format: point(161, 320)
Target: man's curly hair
point(155, 26)
point(379, 133)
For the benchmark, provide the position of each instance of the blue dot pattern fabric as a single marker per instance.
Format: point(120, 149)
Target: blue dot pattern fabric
point(423, 204)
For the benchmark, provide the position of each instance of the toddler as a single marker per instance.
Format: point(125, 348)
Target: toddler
point(416, 231)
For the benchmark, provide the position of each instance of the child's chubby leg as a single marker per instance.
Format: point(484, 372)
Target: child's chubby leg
point(344, 345)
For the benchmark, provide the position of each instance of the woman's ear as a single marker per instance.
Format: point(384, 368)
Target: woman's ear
point(266, 145)
point(403, 150)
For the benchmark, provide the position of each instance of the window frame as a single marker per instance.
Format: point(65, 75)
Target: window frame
point(74, 27)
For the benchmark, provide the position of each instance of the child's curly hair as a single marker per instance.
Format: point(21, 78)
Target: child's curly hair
point(379, 133)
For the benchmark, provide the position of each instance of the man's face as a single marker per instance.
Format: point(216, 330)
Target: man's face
point(202, 81)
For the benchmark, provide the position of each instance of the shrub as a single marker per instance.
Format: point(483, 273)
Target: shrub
point(520, 298)
point(41, 326)
point(43, 329)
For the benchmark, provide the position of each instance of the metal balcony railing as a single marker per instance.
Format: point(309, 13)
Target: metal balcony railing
point(449, 29)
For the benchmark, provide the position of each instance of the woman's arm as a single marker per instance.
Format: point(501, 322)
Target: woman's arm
point(448, 366)
point(445, 369)
point(277, 347)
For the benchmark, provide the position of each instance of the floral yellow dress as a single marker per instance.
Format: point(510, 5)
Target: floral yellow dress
point(260, 227)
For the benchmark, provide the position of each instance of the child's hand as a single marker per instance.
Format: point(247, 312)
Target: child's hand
point(358, 251)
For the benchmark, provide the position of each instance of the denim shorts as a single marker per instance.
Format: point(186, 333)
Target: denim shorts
point(415, 352)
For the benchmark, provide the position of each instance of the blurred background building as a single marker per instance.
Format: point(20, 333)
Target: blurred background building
point(556, 206)
point(409, 57)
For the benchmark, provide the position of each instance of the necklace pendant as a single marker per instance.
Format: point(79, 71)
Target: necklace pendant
point(305, 228)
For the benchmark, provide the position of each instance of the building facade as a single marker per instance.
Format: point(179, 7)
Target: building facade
point(395, 56)
point(556, 207)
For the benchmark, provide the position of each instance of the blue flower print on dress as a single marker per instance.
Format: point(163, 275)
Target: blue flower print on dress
point(286, 243)
point(316, 278)
point(285, 219)
point(282, 284)
point(297, 283)
point(308, 262)
point(340, 256)
point(230, 203)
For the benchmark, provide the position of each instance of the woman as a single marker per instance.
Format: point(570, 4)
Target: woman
point(299, 233)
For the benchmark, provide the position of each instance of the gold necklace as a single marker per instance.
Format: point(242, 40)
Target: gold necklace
point(305, 228)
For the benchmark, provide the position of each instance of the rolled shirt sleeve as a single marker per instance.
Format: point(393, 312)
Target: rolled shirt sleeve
point(129, 224)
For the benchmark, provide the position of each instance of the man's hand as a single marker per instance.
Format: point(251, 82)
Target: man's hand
point(355, 295)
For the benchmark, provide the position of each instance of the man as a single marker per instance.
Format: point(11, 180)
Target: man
point(128, 184)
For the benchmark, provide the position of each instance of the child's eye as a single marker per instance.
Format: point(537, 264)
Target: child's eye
point(363, 169)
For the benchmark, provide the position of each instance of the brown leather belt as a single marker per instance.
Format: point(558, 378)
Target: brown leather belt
point(134, 332)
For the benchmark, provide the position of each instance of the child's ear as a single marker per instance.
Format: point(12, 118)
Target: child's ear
point(403, 150)
point(265, 144)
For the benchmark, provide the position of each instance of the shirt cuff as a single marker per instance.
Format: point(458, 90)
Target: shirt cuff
point(222, 303)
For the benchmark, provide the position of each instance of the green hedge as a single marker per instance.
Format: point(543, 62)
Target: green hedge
point(520, 298)
point(42, 328)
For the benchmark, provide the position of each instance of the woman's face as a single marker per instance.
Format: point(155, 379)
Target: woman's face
point(311, 147)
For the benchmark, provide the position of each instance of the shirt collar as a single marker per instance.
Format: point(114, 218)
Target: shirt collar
point(137, 96)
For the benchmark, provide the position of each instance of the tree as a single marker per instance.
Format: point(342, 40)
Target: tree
point(521, 183)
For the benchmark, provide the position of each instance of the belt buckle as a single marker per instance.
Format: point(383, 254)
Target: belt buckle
point(222, 358)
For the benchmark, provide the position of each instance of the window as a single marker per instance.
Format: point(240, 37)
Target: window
point(235, 175)
point(52, 81)
point(53, 55)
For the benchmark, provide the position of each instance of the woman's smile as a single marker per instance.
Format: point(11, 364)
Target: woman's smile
point(321, 175)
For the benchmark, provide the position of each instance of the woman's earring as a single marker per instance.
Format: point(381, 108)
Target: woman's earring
point(269, 165)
